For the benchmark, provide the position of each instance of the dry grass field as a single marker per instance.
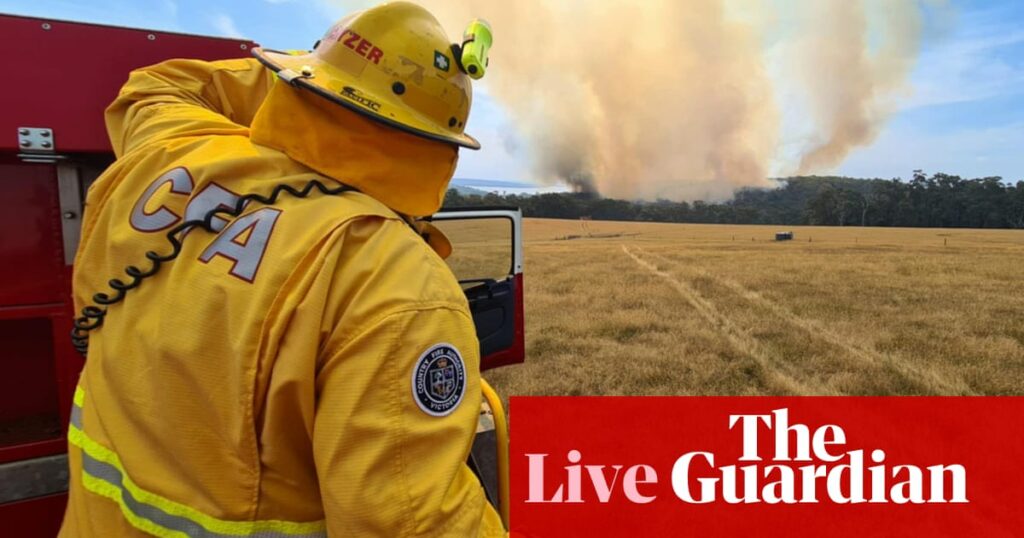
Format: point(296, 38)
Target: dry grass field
point(671, 309)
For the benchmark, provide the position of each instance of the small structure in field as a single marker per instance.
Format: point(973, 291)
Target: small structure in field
point(783, 236)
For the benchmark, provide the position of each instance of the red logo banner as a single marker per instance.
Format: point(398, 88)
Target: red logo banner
point(767, 466)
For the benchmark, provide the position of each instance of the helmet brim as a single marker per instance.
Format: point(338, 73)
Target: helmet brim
point(379, 108)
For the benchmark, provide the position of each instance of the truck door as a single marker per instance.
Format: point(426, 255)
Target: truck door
point(487, 259)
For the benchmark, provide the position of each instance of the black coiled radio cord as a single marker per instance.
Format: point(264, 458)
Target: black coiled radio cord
point(93, 315)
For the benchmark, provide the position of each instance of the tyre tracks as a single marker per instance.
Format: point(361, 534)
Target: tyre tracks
point(775, 370)
point(814, 328)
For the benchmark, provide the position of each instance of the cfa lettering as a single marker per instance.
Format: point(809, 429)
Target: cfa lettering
point(243, 241)
point(848, 482)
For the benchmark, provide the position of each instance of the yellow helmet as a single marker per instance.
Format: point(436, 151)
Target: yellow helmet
point(393, 63)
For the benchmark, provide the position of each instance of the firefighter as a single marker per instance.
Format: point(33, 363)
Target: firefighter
point(306, 364)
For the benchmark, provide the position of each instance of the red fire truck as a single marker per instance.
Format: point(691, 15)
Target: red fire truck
point(53, 144)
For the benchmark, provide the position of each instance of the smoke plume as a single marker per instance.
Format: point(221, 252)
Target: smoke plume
point(670, 99)
point(850, 84)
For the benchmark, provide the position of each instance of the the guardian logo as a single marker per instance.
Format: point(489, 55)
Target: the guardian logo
point(805, 467)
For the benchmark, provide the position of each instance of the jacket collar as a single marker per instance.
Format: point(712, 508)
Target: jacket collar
point(407, 173)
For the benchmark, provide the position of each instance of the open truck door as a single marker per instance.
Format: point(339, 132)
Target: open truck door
point(487, 260)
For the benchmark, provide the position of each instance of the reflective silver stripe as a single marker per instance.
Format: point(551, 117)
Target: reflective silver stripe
point(111, 475)
point(103, 474)
point(76, 416)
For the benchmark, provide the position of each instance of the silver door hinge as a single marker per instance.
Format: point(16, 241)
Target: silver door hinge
point(37, 145)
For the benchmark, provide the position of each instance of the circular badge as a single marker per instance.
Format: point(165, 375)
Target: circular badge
point(439, 380)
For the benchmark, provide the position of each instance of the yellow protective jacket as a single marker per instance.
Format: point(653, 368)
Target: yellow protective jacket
point(307, 368)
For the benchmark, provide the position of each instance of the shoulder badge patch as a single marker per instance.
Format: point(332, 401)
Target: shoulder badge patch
point(439, 380)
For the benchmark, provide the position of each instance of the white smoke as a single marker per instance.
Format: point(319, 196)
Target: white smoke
point(672, 99)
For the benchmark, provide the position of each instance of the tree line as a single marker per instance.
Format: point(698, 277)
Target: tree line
point(939, 200)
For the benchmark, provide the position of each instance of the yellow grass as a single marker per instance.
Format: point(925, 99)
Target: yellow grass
point(635, 308)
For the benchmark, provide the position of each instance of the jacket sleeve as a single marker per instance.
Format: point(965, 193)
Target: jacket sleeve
point(386, 467)
point(179, 98)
